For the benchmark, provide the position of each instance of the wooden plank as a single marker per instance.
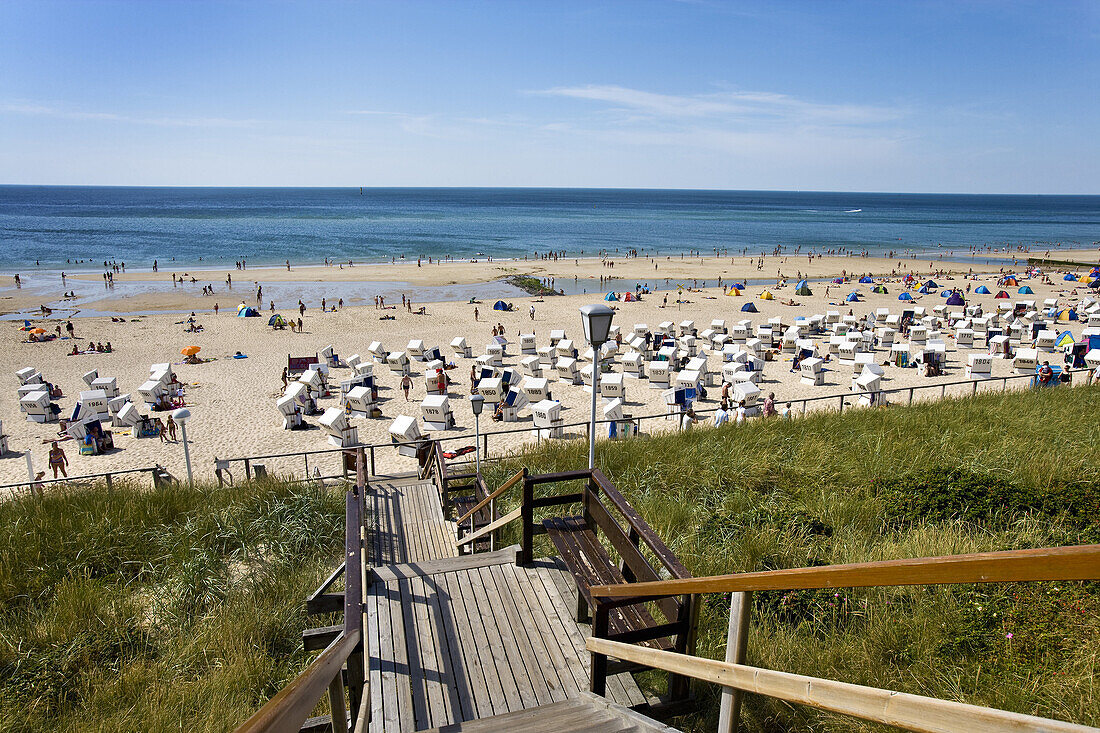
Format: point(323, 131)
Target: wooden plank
point(414, 658)
point(464, 652)
point(620, 688)
point(511, 646)
point(476, 647)
point(537, 594)
point(911, 712)
point(428, 646)
point(531, 645)
point(567, 712)
point(493, 637)
point(546, 642)
point(444, 565)
point(1080, 562)
point(509, 517)
point(457, 680)
point(642, 722)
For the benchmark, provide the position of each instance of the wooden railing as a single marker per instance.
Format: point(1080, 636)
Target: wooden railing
point(907, 711)
point(290, 707)
point(489, 501)
point(36, 486)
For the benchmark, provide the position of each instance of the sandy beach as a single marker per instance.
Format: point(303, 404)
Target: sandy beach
point(233, 400)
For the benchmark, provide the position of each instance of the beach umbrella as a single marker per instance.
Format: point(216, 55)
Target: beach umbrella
point(905, 296)
point(982, 290)
point(38, 330)
point(190, 350)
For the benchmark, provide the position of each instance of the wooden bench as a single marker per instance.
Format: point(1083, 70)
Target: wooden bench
point(578, 542)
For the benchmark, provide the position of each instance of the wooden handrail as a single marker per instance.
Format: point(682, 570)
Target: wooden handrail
point(292, 705)
point(1079, 562)
point(509, 517)
point(911, 712)
point(500, 490)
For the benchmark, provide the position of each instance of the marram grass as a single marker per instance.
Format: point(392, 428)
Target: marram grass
point(991, 472)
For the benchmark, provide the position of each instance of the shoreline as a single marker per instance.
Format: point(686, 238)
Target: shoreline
point(139, 293)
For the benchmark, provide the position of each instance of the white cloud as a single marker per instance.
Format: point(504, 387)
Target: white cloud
point(744, 107)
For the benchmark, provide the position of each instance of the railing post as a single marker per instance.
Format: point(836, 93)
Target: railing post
point(737, 639)
point(485, 443)
point(910, 395)
point(336, 705)
point(975, 390)
point(353, 603)
point(842, 404)
point(527, 519)
point(306, 457)
point(373, 472)
point(598, 683)
point(109, 487)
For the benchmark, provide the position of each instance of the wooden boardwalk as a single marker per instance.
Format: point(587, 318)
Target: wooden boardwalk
point(454, 639)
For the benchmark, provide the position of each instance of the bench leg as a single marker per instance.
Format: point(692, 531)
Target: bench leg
point(598, 685)
point(583, 615)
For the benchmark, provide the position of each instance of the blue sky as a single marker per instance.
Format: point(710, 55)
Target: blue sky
point(867, 96)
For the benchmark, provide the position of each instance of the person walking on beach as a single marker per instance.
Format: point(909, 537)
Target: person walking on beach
point(301, 308)
point(58, 460)
point(288, 265)
point(171, 425)
point(215, 309)
point(406, 385)
point(475, 313)
point(532, 311)
point(70, 328)
point(286, 378)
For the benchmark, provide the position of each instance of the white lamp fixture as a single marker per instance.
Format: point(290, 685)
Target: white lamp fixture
point(596, 320)
point(477, 403)
point(181, 416)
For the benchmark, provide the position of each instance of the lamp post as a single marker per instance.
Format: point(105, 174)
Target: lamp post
point(477, 402)
point(596, 320)
point(181, 416)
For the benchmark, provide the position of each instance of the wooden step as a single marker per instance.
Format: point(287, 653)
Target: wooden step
point(586, 713)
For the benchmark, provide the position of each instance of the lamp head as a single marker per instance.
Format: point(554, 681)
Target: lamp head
point(181, 415)
point(477, 402)
point(596, 320)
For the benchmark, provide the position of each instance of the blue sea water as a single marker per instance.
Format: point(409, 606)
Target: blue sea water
point(79, 227)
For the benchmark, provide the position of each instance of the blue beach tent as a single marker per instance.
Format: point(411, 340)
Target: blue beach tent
point(982, 290)
point(1069, 277)
point(1025, 290)
point(905, 296)
point(611, 296)
point(955, 299)
point(865, 279)
point(924, 290)
point(931, 284)
point(749, 308)
point(852, 298)
point(500, 305)
point(247, 312)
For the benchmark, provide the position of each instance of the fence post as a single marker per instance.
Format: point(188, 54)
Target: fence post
point(485, 443)
point(247, 470)
point(975, 390)
point(842, 404)
point(373, 472)
point(306, 457)
point(910, 395)
point(109, 487)
point(527, 520)
point(737, 639)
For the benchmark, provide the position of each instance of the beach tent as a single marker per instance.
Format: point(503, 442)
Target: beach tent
point(865, 279)
point(629, 297)
point(1011, 281)
point(955, 299)
point(500, 305)
point(803, 289)
point(1064, 339)
point(1001, 294)
point(739, 286)
point(931, 284)
point(749, 308)
point(852, 298)
point(1025, 290)
point(1070, 277)
point(802, 284)
point(277, 321)
point(924, 290)
point(881, 289)
point(838, 280)
point(611, 296)
point(905, 296)
point(1067, 314)
point(733, 291)
point(766, 295)
point(247, 312)
point(981, 290)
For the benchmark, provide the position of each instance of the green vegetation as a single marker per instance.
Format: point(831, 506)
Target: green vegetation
point(180, 609)
point(530, 284)
point(987, 473)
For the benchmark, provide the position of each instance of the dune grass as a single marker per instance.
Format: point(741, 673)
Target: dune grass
point(179, 609)
point(984, 473)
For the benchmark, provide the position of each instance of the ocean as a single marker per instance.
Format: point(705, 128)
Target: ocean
point(78, 228)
